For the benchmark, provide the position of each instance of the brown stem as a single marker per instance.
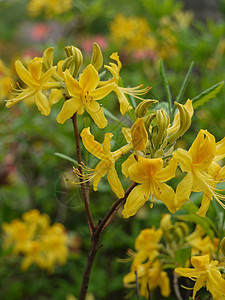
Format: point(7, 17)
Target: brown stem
point(84, 188)
point(96, 234)
point(176, 286)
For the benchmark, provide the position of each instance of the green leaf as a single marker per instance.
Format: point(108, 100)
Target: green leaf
point(165, 85)
point(182, 255)
point(198, 220)
point(185, 83)
point(208, 94)
point(61, 155)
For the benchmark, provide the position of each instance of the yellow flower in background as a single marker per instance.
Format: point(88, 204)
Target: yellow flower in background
point(84, 96)
point(151, 175)
point(38, 241)
point(107, 163)
point(205, 273)
point(6, 81)
point(146, 245)
point(151, 275)
point(50, 7)
point(37, 81)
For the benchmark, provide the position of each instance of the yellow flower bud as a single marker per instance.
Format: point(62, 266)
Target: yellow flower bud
point(97, 58)
point(139, 134)
point(142, 107)
point(73, 61)
point(47, 59)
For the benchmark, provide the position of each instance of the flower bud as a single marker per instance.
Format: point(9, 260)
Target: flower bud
point(73, 61)
point(222, 246)
point(142, 107)
point(163, 121)
point(47, 59)
point(139, 134)
point(97, 58)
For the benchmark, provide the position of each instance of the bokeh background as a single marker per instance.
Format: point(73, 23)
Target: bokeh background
point(36, 153)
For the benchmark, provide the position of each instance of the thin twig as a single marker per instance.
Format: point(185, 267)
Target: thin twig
point(176, 286)
point(149, 292)
point(137, 285)
point(84, 188)
point(96, 234)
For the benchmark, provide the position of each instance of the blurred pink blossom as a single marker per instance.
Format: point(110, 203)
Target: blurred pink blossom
point(87, 43)
point(39, 32)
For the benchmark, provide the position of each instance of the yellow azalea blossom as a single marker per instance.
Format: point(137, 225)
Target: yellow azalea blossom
point(107, 163)
point(37, 81)
point(201, 245)
point(150, 274)
point(151, 175)
point(50, 7)
point(84, 96)
point(38, 242)
point(196, 163)
point(121, 91)
point(205, 273)
point(146, 245)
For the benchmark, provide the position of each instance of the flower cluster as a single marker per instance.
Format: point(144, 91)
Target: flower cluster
point(36, 240)
point(139, 38)
point(157, 252)
point(150, 142)
point(56, 7)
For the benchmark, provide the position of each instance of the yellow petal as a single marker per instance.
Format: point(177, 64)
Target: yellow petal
point(102, 92)
point(35, 68)
point(200, 282)
point(145, 169)
point(72, 84)
point(24, 74)
point(124, 104)
point(115, 183)
point(127, 164)
point(136, 199)
point(200, 262)
point(94, 147)
point(204, 206)
point(215, 282)
point(203, 149)
point(183, 191)
point(100, 171)
point(106, 142)
point(89, 78)
point(168, 172)
point(70, 107)
point(45, 77)
point(166, 195)
point(184, 159)
point(55, 96)
point(97, 114)
point(127, 134)
point(42, 103)
point(139, 134)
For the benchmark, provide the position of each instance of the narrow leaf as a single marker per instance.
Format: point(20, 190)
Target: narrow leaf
point(165, 84)
point(208, 94)
point(111, 116)
point(61, 155)
point(184, 85)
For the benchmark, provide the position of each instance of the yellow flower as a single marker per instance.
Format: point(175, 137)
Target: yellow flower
point(51, 7)
point(37, 81)
point(151, 175)
point(205, 273)
point(84, 96)
point(107, 163)
point(150, 274)
point(197, 162)
point(121, 91)
point(146, 245)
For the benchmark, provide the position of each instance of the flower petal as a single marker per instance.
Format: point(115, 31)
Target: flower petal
point(42, 103)
point(35, 68)
point(183, 191)
point(69, 108)
point(204, 206)
point(100, 171)
point(127, 164)
point(94, 147)
point(97, 114)
point(136, 199)
point(106, 142)
point(72, 84)
point(101, 92)
point(55, 96)
point(139, 134)
point(184, 159)
point(124, 104)
point(166, 195)
point(115, 183)
point(24, 74)
point(89, 78)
